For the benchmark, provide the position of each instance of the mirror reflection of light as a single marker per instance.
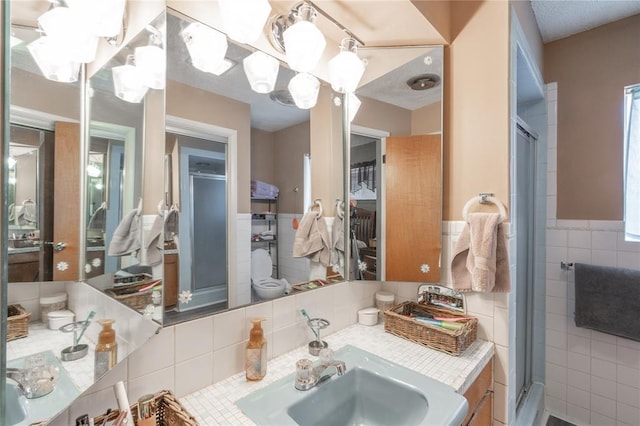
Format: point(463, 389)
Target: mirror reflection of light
point(93, 171)
point(12, 180)
point(12, 162)
point(99, 185)
point(206, 47)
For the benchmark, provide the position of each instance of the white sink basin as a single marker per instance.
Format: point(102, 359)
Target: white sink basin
point(373, 391)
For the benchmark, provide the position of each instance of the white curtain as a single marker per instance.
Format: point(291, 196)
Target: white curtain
point(632, 164)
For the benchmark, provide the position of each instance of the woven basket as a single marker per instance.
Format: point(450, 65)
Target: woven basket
point(169, 412)
point(137, 300)
point(17, 322)
point(397, 321)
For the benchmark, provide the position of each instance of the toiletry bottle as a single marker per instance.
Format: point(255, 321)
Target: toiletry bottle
point(255, 362)
point(106, 349)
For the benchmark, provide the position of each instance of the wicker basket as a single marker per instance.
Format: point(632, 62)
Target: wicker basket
point(397, 321)
point(169, 412)
point(138, 300)
point(17, 322)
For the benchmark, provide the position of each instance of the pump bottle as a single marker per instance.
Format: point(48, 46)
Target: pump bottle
point(106, 356)
point(256, 353)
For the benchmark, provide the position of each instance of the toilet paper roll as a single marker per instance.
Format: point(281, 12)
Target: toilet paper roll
point(123, 401)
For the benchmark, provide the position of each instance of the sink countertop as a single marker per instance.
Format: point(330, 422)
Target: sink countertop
point(215, 404)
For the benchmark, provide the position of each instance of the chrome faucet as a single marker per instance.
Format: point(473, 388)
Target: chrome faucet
point(30, 387)
point(309, 376)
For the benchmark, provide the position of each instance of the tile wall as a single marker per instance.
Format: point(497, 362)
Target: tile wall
point(591, 377)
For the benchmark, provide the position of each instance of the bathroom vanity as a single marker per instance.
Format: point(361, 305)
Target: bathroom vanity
point(466, 374)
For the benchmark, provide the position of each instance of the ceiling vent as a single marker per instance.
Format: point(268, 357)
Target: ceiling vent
point(283, 97)
point(423, 81)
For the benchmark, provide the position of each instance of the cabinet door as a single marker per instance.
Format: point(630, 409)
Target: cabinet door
point(483, 413)
point(477, 392)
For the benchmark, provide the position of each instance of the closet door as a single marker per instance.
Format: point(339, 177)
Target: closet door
point(66, 203)
point(413, 187)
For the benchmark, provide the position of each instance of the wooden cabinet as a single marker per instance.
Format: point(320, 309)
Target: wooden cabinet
point(24, 267)
point(480, 398)
point(170, 280)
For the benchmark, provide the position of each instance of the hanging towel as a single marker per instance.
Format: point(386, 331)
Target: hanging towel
point(153, 247)
point(126, 237)
point(480, 258)
point(312, 239)
point(97, 220)
point(608, 300)
point(171, 223)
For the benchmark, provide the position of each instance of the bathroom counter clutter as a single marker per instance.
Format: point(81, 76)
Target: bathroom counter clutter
point(216, 404)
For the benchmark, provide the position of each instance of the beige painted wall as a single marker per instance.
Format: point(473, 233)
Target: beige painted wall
point(205, 107)
point(263, 156)
point(382, 116)
point(61, 99)
point(592, 69)
point(427, 119)
point(438, 14)
point(476, 97)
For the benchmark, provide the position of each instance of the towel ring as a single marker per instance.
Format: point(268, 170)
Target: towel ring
point(317, 203)
point(485, 198)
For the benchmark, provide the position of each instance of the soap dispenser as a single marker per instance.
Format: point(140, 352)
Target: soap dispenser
point(106, 356)
point(255, 362)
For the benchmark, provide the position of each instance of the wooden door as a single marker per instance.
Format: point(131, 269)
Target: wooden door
point(413, 212)
point(66, 203)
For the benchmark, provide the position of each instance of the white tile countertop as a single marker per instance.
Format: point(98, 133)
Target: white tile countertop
point(215, 404)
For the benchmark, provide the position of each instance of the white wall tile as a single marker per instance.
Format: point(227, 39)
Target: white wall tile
point(604, 257)
point(578, 414)
point(628, 414)
point(556, 389)
point(193, 338)
point(151, 383)
point(579, 380)
point(628, 376)
point(230, 328)
point(578, 397)
point(600, 420)
point(260, 310)
point(284, 312)
point(228, 361)
point(556, 356)
point(604, 240)
point(579, 362)
point(603, 350)
point(156, 354)
point(556, 339)
point(193, 374)
point(579, 345)
point(604, 406)
point(628, 395)
point(603, 387)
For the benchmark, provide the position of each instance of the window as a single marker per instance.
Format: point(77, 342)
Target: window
point(632, 163)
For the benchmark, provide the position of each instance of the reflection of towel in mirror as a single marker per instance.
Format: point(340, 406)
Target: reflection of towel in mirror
point(97, 220)
point(312, 239)
point(28, 215)
point(126, 237)
point(153, 246)
point(337, 239)
point(480, 258)
point(171, 223)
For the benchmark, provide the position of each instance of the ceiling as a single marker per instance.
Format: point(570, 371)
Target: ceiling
point(561, 18)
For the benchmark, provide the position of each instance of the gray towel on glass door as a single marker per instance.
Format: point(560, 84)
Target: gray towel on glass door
point(608, 300)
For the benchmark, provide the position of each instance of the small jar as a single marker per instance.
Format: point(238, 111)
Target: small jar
point(384, 301)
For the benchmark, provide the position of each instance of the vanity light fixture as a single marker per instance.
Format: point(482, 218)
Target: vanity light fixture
point(70, 32)
point(15, 41)
point(151, 60)
point(93, 171)
point(52, 63)
point(303, 41)
point(304, 89)
point(346, 69)
point(243, 20)
point(261, 71)
point(206, 47)
point(11, 162)
point(128, 82)
point(104, 17)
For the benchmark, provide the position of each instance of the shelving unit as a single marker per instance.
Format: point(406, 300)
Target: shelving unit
point(264, 217)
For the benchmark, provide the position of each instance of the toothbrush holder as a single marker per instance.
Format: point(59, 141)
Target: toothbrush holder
point(315, 346)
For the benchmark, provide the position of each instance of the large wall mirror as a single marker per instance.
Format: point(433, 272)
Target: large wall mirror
point(395, 172)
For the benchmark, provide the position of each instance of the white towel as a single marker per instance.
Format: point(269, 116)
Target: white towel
point(126, 237)
point(480, 258)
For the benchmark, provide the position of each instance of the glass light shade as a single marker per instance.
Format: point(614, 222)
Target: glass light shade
point(52, 63)
point(261, 71)
point(151, 62)
point(11, 162)
point(93, 171)
point(304, 89)
point(15, 41)
point(243, 20)
point(206, 47)
point(68, 29)
point(304, 44)
point(128, 83)
point(105, 16)
point(345, 72)
point(353, 105)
